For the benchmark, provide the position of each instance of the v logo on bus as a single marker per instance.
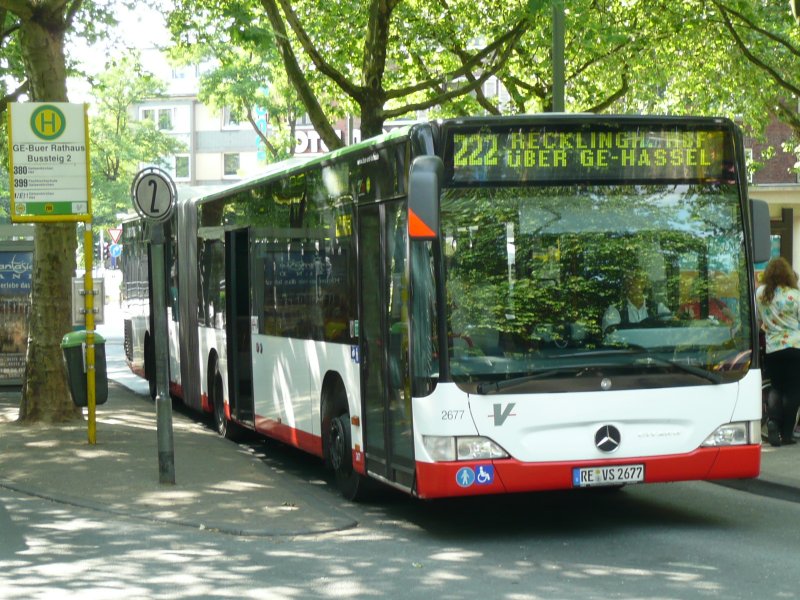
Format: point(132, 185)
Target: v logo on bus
point(501, 414)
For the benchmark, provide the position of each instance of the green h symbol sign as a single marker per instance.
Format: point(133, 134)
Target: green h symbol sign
point(48, 122)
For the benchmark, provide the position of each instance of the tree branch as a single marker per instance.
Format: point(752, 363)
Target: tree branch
point(5, 33)
point(22, 8)
point(319, 62)
point(539, 90)
point(71, 11)
point(510, 38)
point(613, 97)
point(262, 136)
point(793, 89)
point(768, 34)
point(790, 116)
point(13, 96)
point(468, 87)
point(298, 79)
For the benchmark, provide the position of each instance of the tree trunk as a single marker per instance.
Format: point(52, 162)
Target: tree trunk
point(372, 118)
point(45, 394)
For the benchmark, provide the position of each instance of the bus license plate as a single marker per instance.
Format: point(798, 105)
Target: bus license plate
point(616, 475)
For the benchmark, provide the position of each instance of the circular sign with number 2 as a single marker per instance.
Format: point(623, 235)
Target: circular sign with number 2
point(153, 194)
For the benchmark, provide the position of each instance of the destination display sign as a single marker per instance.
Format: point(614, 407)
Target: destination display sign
point(49, 162)
point(546, 154)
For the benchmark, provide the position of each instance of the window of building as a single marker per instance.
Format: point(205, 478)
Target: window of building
point(229, 120)
point(162, 117)
point(182, 167)
point(230, 165)
point(186, 72)
point(165, 118)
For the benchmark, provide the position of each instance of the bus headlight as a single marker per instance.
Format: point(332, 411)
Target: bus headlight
point(440, 448)
point(735, 434)
point(448, 448)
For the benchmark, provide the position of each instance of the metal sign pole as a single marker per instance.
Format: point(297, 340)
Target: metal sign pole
point(153, 193)
point(88, 304)
point(166, 448)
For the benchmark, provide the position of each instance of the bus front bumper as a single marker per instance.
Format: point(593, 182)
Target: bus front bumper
point(448, 479)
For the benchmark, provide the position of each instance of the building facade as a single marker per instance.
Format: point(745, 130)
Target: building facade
point(778, 183)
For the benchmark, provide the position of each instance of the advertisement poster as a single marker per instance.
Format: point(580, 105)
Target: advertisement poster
point(16, 268)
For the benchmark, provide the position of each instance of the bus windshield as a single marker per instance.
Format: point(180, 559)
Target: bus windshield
point(639, 283)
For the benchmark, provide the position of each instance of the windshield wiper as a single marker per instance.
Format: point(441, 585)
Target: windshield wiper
point(692, 370)
point(627, 349)
point(645, 353)
point(495, 386)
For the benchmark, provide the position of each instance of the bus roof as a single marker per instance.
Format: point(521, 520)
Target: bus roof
point(298, 163)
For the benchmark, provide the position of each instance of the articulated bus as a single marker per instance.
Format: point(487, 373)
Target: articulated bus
point(442, 308)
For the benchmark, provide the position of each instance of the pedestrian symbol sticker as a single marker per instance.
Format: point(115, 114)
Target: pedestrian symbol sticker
point(465, 477)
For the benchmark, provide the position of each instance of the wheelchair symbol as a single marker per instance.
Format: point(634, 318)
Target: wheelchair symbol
point(484, 475)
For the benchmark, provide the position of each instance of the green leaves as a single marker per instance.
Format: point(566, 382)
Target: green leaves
point(119, 144)
point(389, 60)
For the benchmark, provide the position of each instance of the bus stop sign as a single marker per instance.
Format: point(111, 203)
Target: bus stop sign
point(153, 193)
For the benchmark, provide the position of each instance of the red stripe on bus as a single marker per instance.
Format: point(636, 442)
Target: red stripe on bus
point(438, 480)
point(289, 435)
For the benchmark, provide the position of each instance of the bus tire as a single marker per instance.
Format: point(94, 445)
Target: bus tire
point(337, 444)
point(222, 424)
point(351, 484)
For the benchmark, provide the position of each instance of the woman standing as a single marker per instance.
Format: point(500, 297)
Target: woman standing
point(778, 301)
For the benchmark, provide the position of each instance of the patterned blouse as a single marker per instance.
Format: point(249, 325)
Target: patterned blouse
point(780, 319)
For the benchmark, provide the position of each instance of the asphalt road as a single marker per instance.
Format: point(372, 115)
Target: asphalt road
point(693, 540)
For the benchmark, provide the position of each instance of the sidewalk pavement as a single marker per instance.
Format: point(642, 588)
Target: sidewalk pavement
point(220, 486)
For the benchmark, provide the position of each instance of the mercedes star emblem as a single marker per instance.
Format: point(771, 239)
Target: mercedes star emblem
point(607, 438)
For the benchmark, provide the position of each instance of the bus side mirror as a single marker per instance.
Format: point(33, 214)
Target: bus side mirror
point(762, 245)
point(424, 187)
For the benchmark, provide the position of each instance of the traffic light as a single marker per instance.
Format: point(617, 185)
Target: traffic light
point(105, 250)
point(98, 250)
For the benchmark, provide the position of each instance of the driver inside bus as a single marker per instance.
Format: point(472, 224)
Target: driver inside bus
point(635, 307)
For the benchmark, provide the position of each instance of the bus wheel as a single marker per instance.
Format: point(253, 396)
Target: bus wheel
point(351, 484)
point(222, 424)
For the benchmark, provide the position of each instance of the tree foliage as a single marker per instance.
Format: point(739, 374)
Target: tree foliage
point(386, 59)
point(244, 72)
point(118, 143)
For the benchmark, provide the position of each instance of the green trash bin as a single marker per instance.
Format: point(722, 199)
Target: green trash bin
point(74, 347)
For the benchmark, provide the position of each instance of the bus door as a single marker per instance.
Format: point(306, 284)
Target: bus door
point(383, 334)
point(237, 325)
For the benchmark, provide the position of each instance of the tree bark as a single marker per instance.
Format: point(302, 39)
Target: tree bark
point(45, 394)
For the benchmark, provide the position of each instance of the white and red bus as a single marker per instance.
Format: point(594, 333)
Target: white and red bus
point(430, 308)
